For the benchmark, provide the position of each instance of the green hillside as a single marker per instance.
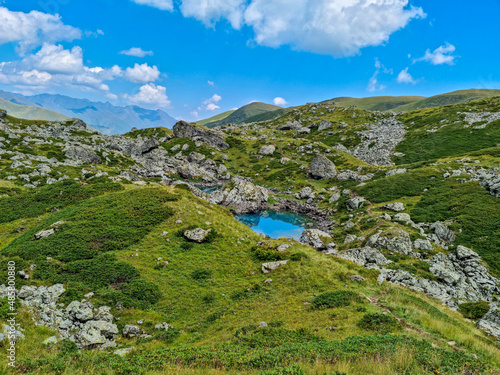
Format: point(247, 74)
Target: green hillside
point(116, 211)
point(454, 97)
point(219, 117)
point(377, 103)
point(31, 113)
point(244, 113)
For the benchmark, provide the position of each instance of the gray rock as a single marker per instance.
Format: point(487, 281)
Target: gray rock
point(43, 234)
point(357, 278)
point(398, 241)
point(82, 155)
point(324, 124)
point(198, 133)
point(244, 196)
point(402, 217)
point(283, 247)
point(490, 323)
point(267, 150)
point(396, 206)
point(196, 235)
point(3, 113)
point(366, 257)
point(306, 193)
point(271, 266)
point(163, 326)
point(322, 168)
point(50, 341)
point(10, 331)
point(317, 239)
point(130, 331)
point(443, 233)
point(424, 245)
point(355, 203)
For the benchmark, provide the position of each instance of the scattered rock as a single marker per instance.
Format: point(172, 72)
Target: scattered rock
point(196, 235)
point(322, 168)
point(271, 266)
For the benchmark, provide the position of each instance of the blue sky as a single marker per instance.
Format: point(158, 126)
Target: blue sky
point(201, 57)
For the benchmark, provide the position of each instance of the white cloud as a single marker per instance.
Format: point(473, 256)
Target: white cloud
point(54, 66)
point(212, 107)
point(331, 27)
point(211, 11)
point(137, 52)
point(339, 28)
point(32, 29)
point(151, 95)
point(112, 96)
point(441, 55)
point(210, 103)
point(142, 73)
point(211, 83)
point(280, 101)
point(55, 59)
point(160, 4)
point(373, 84)
point(405, 77)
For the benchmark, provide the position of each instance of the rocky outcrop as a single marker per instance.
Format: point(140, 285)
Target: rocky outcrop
point(366, 257)
point(355, 203)
point(82, 155)
point(324, 124)
point(197, 133)
point(398, 241)
point(322, 168)
point(242, 196)
point(319, 240)
point(79, 322)
point(196, 235)
point(379, 142)
point(3, 113)
point(267, 150)
point(271, 266)
point(490, 323)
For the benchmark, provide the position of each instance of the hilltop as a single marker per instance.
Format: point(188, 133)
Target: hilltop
point(243, 114)
point(31, 113)
point(398, 274)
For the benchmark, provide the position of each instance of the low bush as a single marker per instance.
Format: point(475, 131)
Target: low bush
point(382, 323)
point(474, 310)
point(338, 298)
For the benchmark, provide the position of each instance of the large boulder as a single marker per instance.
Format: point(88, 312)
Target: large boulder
point(398, 241)
point(82, 155)
point(366, 257)
point(318, 239)
point(242, 196)
point(322, 168)
point(267, 150)
point(442, 232)
point(196, 235)
point(491, 322)
point(3, 113)
point(355, 203)
point(271, 266)
point(183, 129)
point(324, 124)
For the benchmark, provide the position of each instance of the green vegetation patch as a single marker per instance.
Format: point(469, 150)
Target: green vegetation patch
point(474, 310)
point(339, 298)
point(379, 322)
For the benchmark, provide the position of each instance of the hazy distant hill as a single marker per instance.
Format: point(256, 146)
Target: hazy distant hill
point(244, 113)
point(105, 117)
point(30, 112)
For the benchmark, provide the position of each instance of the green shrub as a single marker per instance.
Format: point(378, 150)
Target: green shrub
point(209, 298)
point(143, 291)
point(338, 298)
point(298, 256)
point(266, 254)
point(201, 274)
point(474, 310)
point(382, 323)
point(168, 336)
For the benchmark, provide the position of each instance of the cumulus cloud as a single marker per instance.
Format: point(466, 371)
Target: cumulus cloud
point(137, 52)
point(30, 30)
point(332, 27)
point(54, 66)
point(210, 103)
point(151, 95)
point(211, 11)
point(142, 73)
point(211, 83)
point(55, 59)
point(441, 55)
point(160, 4)
point(280, 101)
point(405, 77)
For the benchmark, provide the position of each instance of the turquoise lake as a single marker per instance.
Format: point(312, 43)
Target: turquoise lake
point(277, 224)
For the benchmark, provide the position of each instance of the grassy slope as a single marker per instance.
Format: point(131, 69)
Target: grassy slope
point(377, 103)
point(210, 311)
point(220, 116)
point(450, 98)
point(243, 113)
point(31, 113)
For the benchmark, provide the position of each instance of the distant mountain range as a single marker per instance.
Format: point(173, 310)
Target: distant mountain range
point(105, 117)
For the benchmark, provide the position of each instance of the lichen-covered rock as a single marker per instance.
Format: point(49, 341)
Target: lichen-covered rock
point(322, 168)
point(398, 241)
point(490, 322)
point(43, 234)
point(355, 203)
point(318, 239)
point(366, 257)
point(396, 206)
point(271, 266)
point(443, 232)
point(82, 155)
point(421, 244)
point(267, 150)
point(196, 235)
point(324, 124)
point(198, 133)
point(242, 196)
point(130, 331)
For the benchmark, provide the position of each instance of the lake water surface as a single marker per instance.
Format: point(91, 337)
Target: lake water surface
point(277, 224)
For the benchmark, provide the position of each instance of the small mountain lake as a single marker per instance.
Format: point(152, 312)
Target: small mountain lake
point(209, 189)
point(277, 224)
